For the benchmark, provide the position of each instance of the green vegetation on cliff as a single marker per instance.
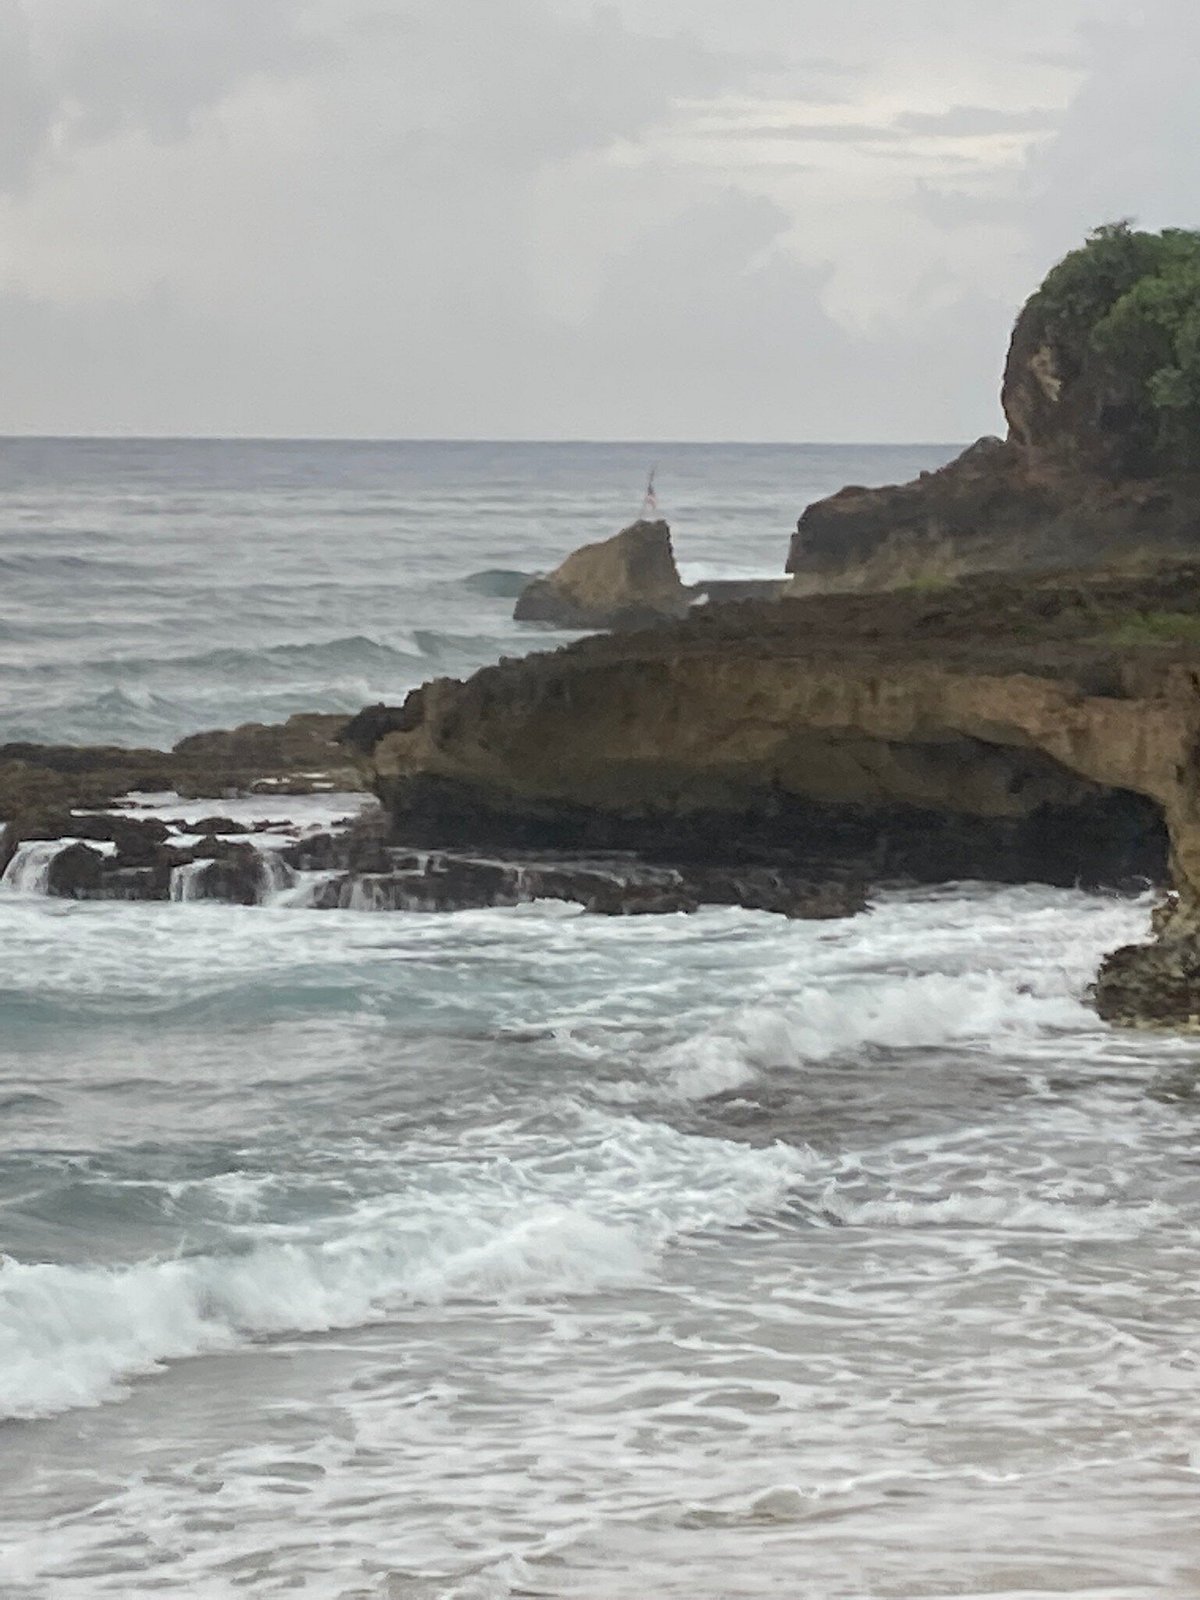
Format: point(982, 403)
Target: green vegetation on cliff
point(1128, 303)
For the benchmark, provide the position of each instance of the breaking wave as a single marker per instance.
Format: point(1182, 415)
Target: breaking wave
point(822, 1023)
point(566, 1220)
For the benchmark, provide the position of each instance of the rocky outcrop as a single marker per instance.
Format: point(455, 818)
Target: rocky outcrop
point(299, 756)
point(1078, 483)
point(75, 872)
point(432, 881)
point(629, 581)
point(351, 867)
point(997, 508)
point(38, 782)
point(996, 730)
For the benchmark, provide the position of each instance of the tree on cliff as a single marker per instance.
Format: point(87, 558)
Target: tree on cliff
point(1121, 319)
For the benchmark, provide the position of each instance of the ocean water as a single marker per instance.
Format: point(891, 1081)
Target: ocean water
point(149, 589)
point(526, 1253)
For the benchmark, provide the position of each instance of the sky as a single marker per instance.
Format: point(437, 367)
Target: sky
point(635, 219)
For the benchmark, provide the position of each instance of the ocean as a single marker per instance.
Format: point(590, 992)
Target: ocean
point(528, 1253)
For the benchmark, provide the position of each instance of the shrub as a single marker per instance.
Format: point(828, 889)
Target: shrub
point(1131, 302)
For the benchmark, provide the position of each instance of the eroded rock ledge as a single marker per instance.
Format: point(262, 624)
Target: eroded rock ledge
point(1000, 731)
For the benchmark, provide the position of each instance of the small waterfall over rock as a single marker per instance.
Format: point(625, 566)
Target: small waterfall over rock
point(29, 870)
point(277, 877)
point(186, 881)
point(245, 877)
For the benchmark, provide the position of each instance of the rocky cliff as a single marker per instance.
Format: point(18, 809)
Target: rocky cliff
point(1098, 469)
point(998, 730)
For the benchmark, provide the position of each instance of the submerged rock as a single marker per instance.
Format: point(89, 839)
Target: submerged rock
point(629, 581)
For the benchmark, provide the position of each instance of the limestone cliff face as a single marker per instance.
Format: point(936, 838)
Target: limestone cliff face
point(996, 732)
point(1062, 400)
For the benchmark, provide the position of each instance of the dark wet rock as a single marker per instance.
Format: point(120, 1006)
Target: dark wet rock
point(364, 731)
point(356, 844)
point(786, 894)
point(138, 841)
point(439, 881)
point(213, 848)
point(225, 871)
point(30, 826)
point(334, 893)
point(134, 883)
point(618, 899)
point(299, 756)
point(1151, 985)
point(76, 873)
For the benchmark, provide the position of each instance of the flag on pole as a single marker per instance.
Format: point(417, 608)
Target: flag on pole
point(650, 502)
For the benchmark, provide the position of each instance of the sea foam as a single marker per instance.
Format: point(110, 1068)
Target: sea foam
point(822, 1022)
point(564, 1221)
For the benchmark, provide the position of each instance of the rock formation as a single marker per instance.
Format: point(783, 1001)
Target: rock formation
point(998, 730)
point(1090, 476)
point(629, 581)
point(298, 756)
point(455, 880)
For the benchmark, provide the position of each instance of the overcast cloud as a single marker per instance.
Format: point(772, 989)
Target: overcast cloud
point(775, 219)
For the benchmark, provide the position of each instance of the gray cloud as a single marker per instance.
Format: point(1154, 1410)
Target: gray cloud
point(811, 132)
point(83, 71)
point(530, 217)
point(1129, 143)
point(961, 122)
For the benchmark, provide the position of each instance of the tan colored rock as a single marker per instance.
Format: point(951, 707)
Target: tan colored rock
point(629, 581)
point(1001, 730)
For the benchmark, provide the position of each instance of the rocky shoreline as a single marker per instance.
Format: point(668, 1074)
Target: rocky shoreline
point(999, 730)
point(351, 865)
point(992, 673)
point(787, 757)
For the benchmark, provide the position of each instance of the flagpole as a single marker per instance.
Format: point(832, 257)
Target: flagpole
point(649, 499)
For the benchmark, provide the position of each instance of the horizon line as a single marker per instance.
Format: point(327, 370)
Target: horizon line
point(347, 438)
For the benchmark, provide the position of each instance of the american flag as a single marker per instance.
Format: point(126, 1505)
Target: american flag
point(650, 503)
